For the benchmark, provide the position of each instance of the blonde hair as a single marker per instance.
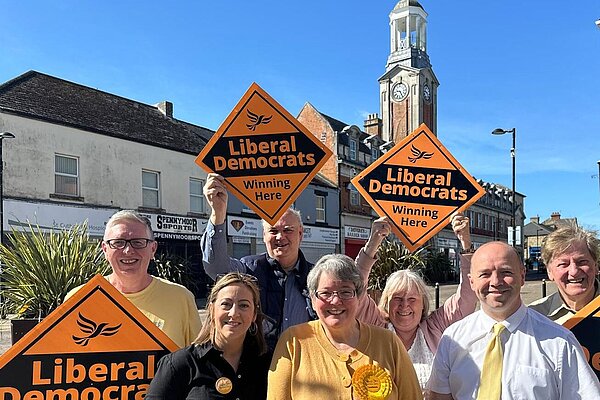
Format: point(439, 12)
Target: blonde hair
point(404, 281)
point(559, 241)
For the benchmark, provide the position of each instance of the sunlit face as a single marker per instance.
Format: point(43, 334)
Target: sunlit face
point(233, 313)
point(496, 278)
point(335, 314)
point(405, 310)
point(574, 272)
point(129, 262)
point(283, 239)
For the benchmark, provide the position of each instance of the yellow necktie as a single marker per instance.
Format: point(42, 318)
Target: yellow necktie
point(490, 387)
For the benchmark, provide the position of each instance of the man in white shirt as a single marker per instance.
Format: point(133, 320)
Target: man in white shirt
point(541, 360)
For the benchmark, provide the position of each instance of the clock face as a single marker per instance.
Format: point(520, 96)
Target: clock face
point(399, 91)
point(426, 93)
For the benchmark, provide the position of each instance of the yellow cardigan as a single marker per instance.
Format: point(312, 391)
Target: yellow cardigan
point(306, 365)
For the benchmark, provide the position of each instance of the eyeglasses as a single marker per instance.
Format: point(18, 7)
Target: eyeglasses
point(121, 243)
point(327, 295)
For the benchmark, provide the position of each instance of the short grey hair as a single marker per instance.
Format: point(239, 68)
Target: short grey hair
point(129, 216)
point(290, 210)
point(339, 266)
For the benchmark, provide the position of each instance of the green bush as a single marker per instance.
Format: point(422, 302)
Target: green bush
point(39, 268)
point(175, 269)
point(438, 267)
point(392, 256)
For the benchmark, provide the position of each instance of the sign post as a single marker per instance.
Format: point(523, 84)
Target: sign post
point(417, 184)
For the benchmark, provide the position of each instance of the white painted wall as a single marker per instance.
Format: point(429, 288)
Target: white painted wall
point(110, 169)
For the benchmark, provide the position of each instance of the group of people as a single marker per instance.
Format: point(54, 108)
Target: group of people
point(278, 327)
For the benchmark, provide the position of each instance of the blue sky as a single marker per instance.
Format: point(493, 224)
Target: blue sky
point(533, 65)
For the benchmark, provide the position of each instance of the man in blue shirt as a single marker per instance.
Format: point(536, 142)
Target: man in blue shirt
point(281, 271)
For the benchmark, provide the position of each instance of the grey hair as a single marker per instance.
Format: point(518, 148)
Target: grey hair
point(290, 210)
point(131, 216)
point(340, 267)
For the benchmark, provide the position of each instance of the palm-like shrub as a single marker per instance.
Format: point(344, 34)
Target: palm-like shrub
point(38, 268)
point(174, 268)
point(392, 256)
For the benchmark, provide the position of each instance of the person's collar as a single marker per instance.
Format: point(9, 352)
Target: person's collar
point(511, 323)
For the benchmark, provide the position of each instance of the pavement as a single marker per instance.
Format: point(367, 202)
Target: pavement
point(530, 292)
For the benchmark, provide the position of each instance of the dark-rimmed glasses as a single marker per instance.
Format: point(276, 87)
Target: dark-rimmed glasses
point(139, 243)
point(327, 295)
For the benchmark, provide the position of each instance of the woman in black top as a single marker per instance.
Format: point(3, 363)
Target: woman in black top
point(229, 359)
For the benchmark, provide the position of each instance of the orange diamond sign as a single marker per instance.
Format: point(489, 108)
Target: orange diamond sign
point(96, 345)
point(585, 325)
point(266, 156)
point(417, 184)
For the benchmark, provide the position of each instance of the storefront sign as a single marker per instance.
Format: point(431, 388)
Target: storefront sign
point(356, 232)
point(240, 226)
point(50, 216)
point(321, 235)
point(176, 227)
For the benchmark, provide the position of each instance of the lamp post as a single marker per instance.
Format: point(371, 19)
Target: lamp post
point(500, 131)
point(598, 176)
point(3, 135)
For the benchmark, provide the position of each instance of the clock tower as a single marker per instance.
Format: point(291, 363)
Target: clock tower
point(408, 89)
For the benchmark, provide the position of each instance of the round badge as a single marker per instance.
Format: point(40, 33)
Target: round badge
point(224, 385)
point(371, 382)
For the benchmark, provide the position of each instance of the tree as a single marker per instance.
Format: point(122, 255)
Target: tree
point(39, 268)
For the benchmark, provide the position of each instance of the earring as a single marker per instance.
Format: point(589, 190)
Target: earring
point(253, 328)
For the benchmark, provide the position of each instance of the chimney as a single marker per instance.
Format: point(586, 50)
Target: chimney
point(165, 107)
point(373, 125)
point(535, 219)
point(555, 215)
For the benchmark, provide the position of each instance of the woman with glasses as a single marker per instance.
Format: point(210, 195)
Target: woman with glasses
point(229, 358)
point(336, 356)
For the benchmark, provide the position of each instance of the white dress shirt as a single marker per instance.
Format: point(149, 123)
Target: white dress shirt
point(542, 360)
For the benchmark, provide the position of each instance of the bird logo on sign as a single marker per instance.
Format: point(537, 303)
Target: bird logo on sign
point(256, 120)
point(418, 154)
point(92, 330)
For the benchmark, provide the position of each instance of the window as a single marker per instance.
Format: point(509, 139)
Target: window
point(320, 217)
point(353, 149)
point(374, 153)
point(66, 175)
point(196, 196)
point(150, 189)
point(354, 197)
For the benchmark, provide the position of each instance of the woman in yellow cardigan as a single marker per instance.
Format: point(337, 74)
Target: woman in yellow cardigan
point(338, 357)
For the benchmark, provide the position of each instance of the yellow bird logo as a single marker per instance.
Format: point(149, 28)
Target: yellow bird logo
point(256, 120)
point(418, 154)
point(92, 330)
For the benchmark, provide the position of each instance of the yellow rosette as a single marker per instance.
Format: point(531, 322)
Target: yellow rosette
point(371, 382)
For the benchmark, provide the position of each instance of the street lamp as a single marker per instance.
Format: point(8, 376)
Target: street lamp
point(500, 131)
point(3, 135)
